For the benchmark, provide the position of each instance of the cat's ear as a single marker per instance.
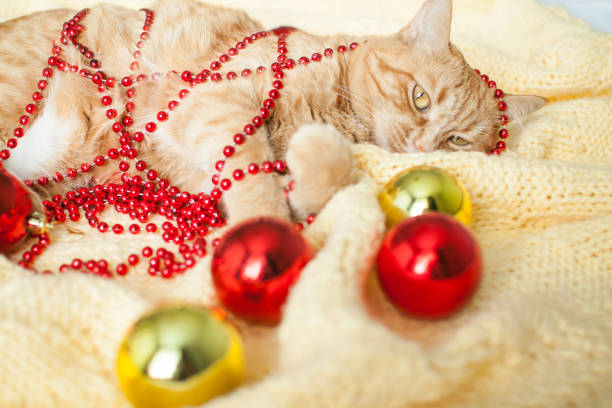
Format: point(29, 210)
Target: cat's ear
point(520, 106)
point(430, 28)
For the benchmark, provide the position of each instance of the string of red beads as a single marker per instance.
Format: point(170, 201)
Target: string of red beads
point(503, 119)
point(189, 216)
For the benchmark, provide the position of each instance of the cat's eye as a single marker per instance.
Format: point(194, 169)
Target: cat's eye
point(420, 98)
point(459, 141)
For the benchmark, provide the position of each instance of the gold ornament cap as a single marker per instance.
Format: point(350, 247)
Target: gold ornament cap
point(423, 189)
point(179, 356)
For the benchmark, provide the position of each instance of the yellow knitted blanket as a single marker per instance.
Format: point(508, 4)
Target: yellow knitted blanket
point(537, 334)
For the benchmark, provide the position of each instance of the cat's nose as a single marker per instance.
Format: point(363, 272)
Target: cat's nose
point(420, 147)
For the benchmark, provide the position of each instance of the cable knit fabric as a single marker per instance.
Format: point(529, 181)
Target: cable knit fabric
point(538, 332)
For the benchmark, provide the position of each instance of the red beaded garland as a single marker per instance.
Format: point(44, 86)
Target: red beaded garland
point(192, 215)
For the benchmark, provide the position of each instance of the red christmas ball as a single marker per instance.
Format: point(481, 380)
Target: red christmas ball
point(15, 206)
point(255, 265)
point(429, 266)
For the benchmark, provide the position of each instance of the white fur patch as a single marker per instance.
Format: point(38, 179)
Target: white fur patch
point(44, 142)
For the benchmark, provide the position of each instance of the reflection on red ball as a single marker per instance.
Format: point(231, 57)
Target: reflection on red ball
point(429, 266)
point(255, 265)
point(15, 206)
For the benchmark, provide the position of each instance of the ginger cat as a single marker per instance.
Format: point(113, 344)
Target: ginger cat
point(409, 92)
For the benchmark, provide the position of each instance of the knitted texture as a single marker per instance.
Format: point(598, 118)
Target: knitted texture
point(539, 330)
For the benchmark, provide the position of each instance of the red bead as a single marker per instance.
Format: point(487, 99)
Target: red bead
point(124, 166)
point(342, 49)
point(239, 138)
point(133, 259)
point(501, 146)
point(121, 269)
point(162, 116)
point(484, 78)
point(258, 121)
point(131, 92)
point(249, 129)
point(224, 58)
point(316, 57)
point(102, 227)
point(118, 229)
point(429, 265)
point(215, 65)
point(130, 106)
point(274, 94)
point(246, 72)
point(106, 100)
point(172, 105)
point(267, 167)
point(231, 75)
point(30, 108)
point(499, 93)
point(304, 61)
point(151, 127)
point(110, 82)
point(503, 133)
point(128, 121)
point(147, 252)
point(151, 227)
point(11, 143)
point(503, 119)
point(502, 106)
point(261, 69)
point(15, 206)
point(225, 184)
point(36, 96)
point(264, 113)
point(268, 104)
point(85, 167)
point(72, 173)
point(24, 120)
point(76, 263)
point(111, 113)
point(238, 175)
point(277, 84)
point(126, 81)
point(228, 151)
point(280, 166)
point(117, 127)
point(138, 136)
point(310, 219)
point(255, 265)
point(492, 84)
point(99, 161)
point(353, 45)
point(219, 164)
point(328, 52)
point(186, 76)
point(183, 93)
point(151, 175)
point(42, 84)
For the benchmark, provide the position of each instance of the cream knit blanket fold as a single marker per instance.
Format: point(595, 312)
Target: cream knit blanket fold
point(537, 334)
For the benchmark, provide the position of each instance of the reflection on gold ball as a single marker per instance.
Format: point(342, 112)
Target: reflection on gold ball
point(424, 189)
point(179, 356)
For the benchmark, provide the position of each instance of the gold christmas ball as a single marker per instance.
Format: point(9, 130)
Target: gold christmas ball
point(179, 356)
point(423, 189)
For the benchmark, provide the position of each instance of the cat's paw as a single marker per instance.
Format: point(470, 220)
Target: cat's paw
point(321, 162)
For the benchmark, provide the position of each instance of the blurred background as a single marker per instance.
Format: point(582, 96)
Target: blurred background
point(598, 13)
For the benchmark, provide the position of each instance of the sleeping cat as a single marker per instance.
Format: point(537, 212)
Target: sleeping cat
point(410, 92)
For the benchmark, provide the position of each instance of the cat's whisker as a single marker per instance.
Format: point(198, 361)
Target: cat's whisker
point(351, 99)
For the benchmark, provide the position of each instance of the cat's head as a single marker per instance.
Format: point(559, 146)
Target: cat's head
point(418, 93)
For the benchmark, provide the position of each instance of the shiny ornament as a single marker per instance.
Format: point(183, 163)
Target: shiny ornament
point(179, 356)
point(423, 189)
point(255, 265)
point(15, 206)
point(430, 265)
